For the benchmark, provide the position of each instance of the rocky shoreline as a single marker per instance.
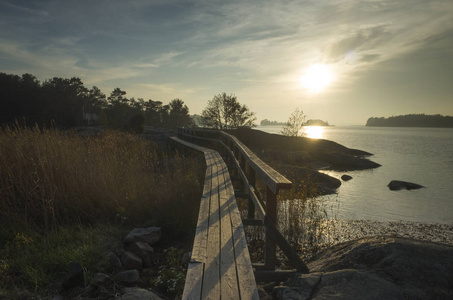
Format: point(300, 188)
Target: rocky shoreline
point(300, 158)
point(362, 259)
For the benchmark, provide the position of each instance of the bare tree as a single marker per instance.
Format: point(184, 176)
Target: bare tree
point(294, 124)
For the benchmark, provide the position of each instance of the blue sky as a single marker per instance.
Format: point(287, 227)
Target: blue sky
point(385, 57)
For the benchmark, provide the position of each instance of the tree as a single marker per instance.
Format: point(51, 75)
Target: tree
point(117, 97)
point(178, 115)
point(295, 123)
point(153, 113)
point(63, 100)
point(225, 112)
point(137, 123)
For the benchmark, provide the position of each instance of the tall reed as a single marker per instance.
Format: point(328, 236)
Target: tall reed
point(49, 177)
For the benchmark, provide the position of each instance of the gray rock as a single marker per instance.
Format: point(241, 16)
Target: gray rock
point(396, 185)
point(136, 293)
point(261, 293)
point(150, 235)
point(114, 261)
point(129, 276)
point(100, 279)
point(346, 177)
point(131, 261)
point(142, 250)
point(298, 286)
point(75, 276)
point(378, 267)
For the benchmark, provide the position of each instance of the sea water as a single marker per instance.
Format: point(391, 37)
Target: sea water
point(419, 155)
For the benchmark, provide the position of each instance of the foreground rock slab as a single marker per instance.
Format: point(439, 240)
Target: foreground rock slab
point(378, 267)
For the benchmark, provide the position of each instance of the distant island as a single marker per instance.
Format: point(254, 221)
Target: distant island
point(310, 122)
point(267, 122)
point(316, 122)
point(412, 120)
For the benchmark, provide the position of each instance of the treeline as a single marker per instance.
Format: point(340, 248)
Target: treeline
point(412, 120)
point(67, 103)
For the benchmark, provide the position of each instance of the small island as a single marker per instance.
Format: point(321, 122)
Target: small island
point(412, 120)
point(267, 122)
point(316, 122)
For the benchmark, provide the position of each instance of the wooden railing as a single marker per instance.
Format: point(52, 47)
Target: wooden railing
point(248, 168)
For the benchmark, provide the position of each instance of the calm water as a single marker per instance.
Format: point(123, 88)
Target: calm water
point(419, 155)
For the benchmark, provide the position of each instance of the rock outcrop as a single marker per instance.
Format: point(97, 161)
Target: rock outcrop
point(346, 177)
point(378, 267)
point(396, 185)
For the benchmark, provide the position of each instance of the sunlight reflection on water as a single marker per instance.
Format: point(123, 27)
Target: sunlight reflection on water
point(313, 132)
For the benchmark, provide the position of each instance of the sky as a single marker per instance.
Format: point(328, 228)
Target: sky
point(376, 58)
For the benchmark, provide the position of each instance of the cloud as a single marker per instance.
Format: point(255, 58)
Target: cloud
point(370, 38)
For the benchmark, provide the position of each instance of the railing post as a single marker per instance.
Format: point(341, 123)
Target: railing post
point(271, 218)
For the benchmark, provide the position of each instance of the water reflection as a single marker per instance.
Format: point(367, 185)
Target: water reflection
point(313, 132)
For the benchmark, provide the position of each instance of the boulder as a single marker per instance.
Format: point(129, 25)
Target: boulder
point(131, 261)
point(114, 261)
point(128, 276)
point(378, 267)
point(136, 293)
point(142, 250)
point(150, 235)
point(100, 279)
point(396, 185)
point(346, 177)
point(75, 276)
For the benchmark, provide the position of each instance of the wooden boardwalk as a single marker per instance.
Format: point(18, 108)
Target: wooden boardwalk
point(220, 267)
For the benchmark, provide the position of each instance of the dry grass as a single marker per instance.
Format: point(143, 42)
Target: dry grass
point(302, 219)
point(51, 178)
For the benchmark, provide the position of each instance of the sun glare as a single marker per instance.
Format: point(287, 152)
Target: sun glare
point(316, 78)
point(313, 132)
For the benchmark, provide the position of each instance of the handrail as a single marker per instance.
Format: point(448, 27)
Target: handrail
point(274, 180)
point(248, 165)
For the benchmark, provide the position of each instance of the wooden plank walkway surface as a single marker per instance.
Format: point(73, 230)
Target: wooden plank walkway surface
point(220, 266)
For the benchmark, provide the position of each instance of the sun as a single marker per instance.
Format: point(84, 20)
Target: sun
point(316, 78)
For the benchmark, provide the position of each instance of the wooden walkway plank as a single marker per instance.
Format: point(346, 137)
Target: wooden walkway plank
point(195, 270)
point(228, 270)
point(211, 278)
point(246, 278)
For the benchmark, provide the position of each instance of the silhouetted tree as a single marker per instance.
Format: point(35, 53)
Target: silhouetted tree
point(225, 112)
point(20, 99)
point(137, 123)
point(153, 113)
point(294, 124)
point(63, 100)
point(119, 111)
point(178, 115)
